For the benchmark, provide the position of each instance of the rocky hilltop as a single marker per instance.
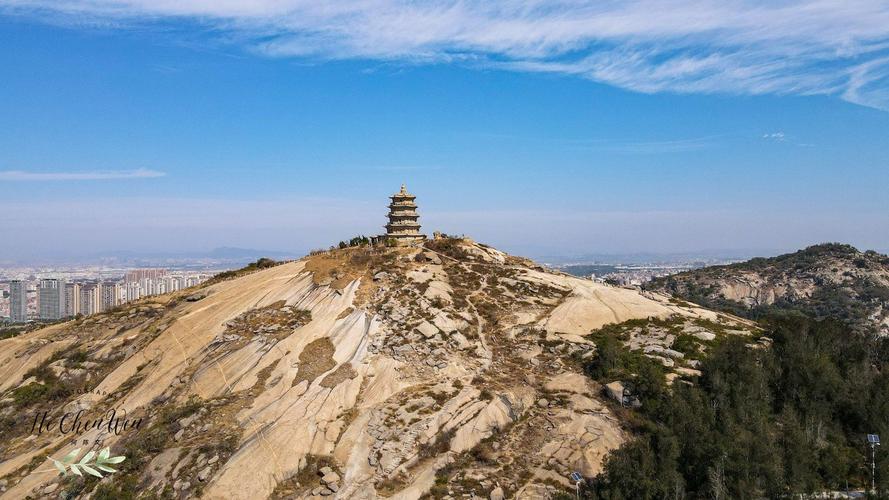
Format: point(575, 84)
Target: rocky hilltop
point(823, 281)
point(362, 372)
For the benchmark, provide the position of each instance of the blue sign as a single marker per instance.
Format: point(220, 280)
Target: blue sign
point(576, 477)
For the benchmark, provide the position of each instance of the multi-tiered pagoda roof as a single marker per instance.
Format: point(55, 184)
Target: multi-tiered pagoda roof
point(403, 226)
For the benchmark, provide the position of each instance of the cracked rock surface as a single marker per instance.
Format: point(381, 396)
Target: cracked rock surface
point(366, 372)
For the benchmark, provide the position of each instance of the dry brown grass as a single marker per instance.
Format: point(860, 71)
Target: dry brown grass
point(315, 359)
point(338, 268)
point(451, 247)
point(346, 312)
point(277, 314)
point(389, 486)
point(343, 373)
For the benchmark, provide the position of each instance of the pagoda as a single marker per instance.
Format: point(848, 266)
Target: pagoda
point(403, 227)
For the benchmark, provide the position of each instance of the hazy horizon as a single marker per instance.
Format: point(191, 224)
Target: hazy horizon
point(232, 255)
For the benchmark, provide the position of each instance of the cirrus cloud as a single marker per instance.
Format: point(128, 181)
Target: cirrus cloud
point(794, 47)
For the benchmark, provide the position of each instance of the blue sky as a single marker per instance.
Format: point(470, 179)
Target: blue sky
point(543, 130)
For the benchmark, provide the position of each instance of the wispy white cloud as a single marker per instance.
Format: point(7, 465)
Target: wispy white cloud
point(799, 47)
point(101, 175)
point(787, 139)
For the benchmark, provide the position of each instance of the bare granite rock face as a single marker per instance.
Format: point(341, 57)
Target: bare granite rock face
point(356, 373)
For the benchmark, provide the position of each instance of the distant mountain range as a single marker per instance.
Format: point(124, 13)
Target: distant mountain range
point(222, 256)
point(703, 257)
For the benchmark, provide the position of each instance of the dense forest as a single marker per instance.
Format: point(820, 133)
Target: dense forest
point(787, 420)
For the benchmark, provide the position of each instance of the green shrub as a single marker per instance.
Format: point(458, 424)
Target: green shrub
point(30, 394)
point(48, 389)
point(76, 357)
point(42, 373)
point(613, 360)
point(686, 344)
point(262, 263)
point(124, 487)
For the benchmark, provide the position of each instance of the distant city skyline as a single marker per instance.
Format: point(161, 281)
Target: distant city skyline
point(152, 127)
point(52, 296)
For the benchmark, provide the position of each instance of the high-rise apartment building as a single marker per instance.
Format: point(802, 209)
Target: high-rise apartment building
point(18, 301)
point(133, 291)
point(137, 275)
point(72, 299)
point(111, 293)
point(51, 299)
point(90, 298)
point(58, 298)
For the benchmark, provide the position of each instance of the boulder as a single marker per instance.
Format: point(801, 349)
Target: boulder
point(460, 341)
point(663, 351)
point(185, 422)
point(705, 336)
point(427, 329)
point(204, 474)
point(666, 362)
point(330, 478)
point(445, 323)
point(432, 258)
point(688, 372)
point(615, 391)
point(569, 382)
